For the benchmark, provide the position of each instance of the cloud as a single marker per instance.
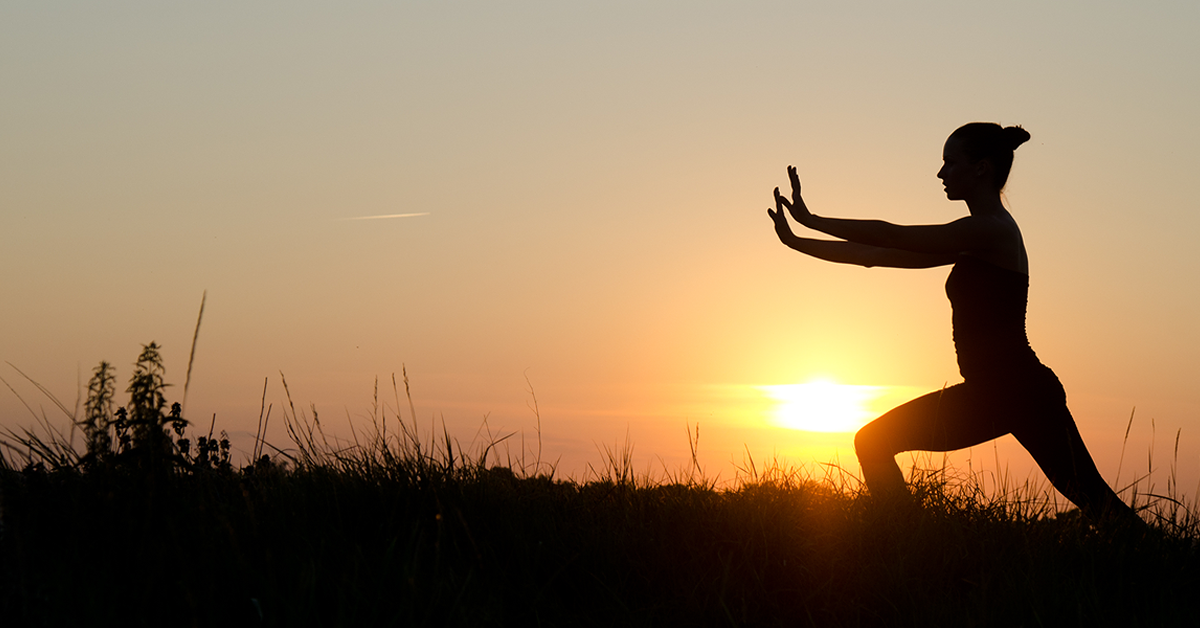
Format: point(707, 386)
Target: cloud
point(380, 217)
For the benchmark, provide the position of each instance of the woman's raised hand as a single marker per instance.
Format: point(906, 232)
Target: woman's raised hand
point(782, 228)
point(796, 206)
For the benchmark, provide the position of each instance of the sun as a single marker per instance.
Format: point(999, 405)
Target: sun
point(821, 405)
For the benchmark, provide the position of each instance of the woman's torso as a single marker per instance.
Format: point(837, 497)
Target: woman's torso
point(988, 304)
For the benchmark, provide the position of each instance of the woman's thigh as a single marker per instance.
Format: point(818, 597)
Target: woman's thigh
point(956, 417)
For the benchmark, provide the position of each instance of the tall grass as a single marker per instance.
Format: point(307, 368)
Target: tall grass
point(149, 522)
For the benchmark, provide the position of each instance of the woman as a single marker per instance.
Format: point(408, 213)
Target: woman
point(1006, 390)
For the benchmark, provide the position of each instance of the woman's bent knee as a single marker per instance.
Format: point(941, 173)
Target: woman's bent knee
point(870, 444)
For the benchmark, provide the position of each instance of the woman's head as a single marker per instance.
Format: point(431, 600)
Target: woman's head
point(989, 141)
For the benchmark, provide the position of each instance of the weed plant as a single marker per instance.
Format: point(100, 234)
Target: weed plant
point(143, 527)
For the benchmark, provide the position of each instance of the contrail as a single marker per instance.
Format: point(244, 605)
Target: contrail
point(387, 216)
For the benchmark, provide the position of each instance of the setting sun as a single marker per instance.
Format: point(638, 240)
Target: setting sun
point(821, 405)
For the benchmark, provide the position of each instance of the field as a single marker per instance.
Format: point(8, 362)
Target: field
point(150, 524)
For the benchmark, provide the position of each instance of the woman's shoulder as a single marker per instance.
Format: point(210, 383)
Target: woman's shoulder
point(1004, 248)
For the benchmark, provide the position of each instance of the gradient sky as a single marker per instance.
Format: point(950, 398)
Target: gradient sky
point(584, 188)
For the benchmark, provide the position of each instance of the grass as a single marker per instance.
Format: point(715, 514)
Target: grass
point(146, 525)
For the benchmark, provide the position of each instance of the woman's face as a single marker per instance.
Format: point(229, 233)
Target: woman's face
point(959, 174)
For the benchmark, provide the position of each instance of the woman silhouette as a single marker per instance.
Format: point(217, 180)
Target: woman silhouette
point(1006, 390)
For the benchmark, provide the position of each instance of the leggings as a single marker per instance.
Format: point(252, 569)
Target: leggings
point(1033, 408)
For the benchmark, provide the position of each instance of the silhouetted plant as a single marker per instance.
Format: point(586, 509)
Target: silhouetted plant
point(141, 430)
point(99, 411)
point(210, 453)
point(146, 403)
point(121, 428)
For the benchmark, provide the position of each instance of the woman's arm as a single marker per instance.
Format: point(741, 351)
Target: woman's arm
point(965, 234)
point(843, 252)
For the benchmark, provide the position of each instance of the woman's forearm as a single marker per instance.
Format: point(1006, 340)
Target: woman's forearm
point(837, 251)
point(868, 232)
point(843, 252)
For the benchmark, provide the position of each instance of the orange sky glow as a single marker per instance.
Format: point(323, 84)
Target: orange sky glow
point(551, 216)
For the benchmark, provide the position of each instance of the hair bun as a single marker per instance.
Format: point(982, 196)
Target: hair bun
point(1015, 136)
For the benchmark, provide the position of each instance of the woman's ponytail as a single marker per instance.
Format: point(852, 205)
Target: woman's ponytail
point(1015, 136)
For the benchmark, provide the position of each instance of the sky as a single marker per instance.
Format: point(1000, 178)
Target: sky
point(578, 252)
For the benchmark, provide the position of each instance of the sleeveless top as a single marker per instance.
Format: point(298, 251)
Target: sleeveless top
point(988, 304)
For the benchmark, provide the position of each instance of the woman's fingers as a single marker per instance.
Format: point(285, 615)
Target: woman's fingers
point(782, 228)
point(780, 200)
point(795, 179)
